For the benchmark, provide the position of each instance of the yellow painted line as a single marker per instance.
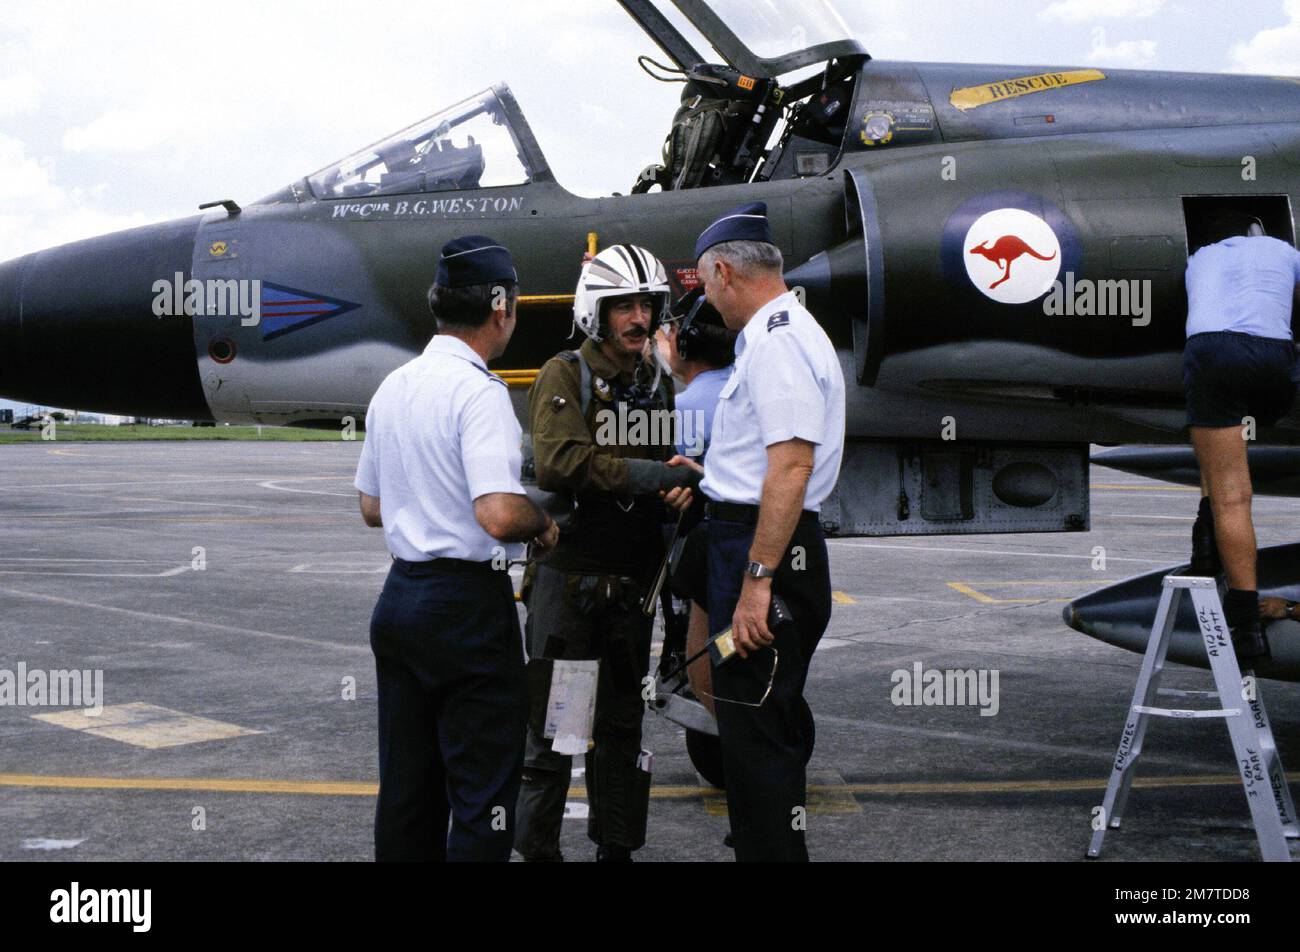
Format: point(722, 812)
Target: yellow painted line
point(983, 599)
point(829, 795)
point(843, 598)
point(332, 788)
point(345, 788)
point(715, 801)
point(1163, 488)
point(1045, 581)
point(666, 792)
point(1044, 786)
point(542, 300)
point(978, 596)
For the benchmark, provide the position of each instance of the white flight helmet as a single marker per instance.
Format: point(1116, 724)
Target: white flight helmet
point(618, 271)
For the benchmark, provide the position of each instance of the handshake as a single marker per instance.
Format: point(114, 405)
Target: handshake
point(673, 481)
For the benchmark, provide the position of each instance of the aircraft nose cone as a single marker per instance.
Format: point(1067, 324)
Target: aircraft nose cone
point(10, 314)
point(1120, 614)
point(78, 332)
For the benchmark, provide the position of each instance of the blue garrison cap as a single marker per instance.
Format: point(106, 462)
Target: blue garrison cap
point(746, 223)
point(474, 259)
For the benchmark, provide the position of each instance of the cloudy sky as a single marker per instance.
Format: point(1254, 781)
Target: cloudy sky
point(124, 113)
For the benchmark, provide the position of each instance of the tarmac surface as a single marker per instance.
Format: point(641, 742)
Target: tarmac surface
point(230, 732)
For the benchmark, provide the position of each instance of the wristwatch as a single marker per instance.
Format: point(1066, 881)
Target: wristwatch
point(758, 570)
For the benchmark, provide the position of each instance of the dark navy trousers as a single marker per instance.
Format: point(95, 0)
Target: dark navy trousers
point(766, 749)
point(453, 708)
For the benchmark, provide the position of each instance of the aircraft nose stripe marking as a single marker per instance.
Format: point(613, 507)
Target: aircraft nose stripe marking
point(285, 309)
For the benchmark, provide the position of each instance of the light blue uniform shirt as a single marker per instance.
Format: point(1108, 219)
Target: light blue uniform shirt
point(696, 406)
point(787, 384)
point(1243, 284)
point(440, 432)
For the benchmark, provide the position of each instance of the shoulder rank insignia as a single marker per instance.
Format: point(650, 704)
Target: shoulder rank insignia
point(489, 374)
point(779, 319)
point(603, 391)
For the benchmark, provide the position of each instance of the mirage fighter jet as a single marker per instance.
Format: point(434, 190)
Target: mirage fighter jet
point(996, 251)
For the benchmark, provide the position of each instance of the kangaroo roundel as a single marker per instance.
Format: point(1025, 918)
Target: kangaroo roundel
point(1012, 255)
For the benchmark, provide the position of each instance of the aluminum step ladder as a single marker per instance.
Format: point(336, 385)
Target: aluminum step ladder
point(1267, 792)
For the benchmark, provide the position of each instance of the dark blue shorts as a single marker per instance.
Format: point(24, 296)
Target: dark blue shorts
point(1228, 376)
point(690, 578)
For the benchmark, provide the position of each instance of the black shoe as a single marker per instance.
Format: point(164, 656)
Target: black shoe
point(1241, 613)
point(1205, 551)
point(1250, 643)
point(613, 854)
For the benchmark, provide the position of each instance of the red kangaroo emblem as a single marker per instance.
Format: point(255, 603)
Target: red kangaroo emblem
point(1004, 252)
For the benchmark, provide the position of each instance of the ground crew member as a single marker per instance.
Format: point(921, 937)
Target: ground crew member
point(585, 598)
point(701, 351)
point(777, 439)
point(1239, 366)
point(439, 471)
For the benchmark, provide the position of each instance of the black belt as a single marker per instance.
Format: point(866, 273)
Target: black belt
point(434, 566)
point(745, 514)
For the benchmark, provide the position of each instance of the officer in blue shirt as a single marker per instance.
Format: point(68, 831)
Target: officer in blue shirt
point(1239, 368)
point(774, 457)
point(439, 472)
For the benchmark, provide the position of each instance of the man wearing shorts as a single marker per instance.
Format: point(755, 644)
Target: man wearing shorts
point(1239, 373)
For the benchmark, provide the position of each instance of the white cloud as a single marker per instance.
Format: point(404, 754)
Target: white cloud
point(20, 94)
point(24, 181)
point(1081, 11)
point(120, 130)
point(1272, 52)
point(39, 213)
point(1126, 54)
point(22, 234)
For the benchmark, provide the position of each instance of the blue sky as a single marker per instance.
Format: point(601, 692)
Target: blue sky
point(113, 115)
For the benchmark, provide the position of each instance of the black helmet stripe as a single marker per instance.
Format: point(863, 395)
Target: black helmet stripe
point(642, 264)
point(629, 255)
